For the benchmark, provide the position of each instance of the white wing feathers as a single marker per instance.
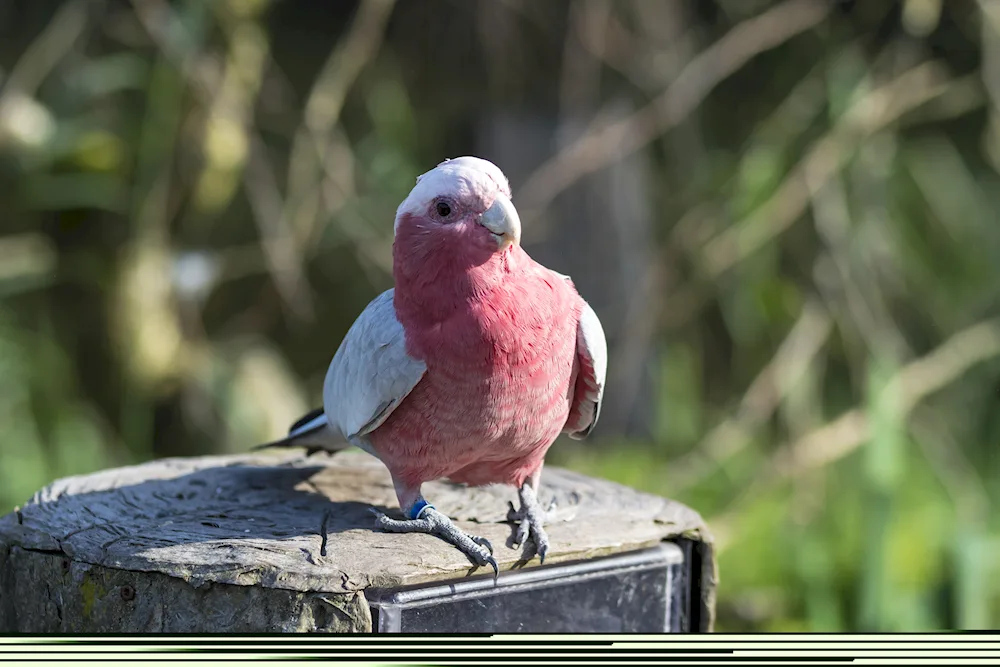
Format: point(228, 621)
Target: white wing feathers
point(309, 423)
point(370, 373)
point(592, 352)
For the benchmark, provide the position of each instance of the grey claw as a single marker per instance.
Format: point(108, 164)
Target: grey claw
point(483, 542)
point(477, 549)
point(523, 529)
point(531, 522)
point(485, 559)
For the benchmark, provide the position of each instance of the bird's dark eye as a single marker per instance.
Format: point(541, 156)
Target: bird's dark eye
point(443, 209)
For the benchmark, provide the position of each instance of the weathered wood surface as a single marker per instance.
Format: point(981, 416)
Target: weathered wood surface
point(233, 543)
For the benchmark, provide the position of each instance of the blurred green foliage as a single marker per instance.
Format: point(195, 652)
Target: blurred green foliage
point(198, 200)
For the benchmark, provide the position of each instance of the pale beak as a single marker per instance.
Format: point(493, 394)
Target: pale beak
point(503, 222)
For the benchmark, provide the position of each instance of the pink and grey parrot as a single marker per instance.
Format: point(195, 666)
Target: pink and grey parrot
point(470, 367)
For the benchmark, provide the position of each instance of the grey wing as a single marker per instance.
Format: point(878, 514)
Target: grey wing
point(592, 354)
point(370, 374)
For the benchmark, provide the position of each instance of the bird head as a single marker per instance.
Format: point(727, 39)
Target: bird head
point(462, 204)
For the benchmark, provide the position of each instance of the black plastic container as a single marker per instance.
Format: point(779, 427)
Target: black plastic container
point(647, 591)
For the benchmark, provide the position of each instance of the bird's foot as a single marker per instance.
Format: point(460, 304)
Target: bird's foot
point(531, 519)
point(430, 521)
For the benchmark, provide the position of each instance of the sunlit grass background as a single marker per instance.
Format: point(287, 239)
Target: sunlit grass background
point(786, 213)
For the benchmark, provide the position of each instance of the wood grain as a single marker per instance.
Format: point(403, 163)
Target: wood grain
point(248, 527)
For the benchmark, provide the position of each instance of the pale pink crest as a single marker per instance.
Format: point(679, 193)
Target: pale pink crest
point(464, 178)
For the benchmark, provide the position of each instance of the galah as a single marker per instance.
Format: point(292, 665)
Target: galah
point(470, 367)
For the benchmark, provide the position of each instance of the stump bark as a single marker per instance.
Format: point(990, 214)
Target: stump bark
point(262, 543)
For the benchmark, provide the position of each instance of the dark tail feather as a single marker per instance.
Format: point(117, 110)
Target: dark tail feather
point(305, 419)
point(309, 431)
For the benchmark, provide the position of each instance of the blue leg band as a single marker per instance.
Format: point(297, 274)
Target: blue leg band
point(419, 507)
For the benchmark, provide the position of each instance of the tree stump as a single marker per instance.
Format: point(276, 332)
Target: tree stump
point(266, 543)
